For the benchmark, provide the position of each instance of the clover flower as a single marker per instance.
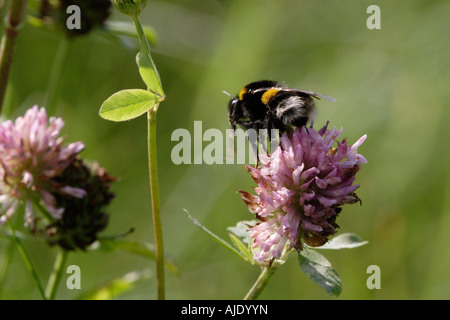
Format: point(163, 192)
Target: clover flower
point(301, 188)
point(31, 156)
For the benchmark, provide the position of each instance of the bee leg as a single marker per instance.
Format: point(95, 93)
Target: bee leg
point(256, 124)
point(267, 135)
point(276, 128)
point(264, 136)
point(252, 138)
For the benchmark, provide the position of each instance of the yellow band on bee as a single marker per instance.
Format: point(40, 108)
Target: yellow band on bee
point(269, 94)
point(243, 91)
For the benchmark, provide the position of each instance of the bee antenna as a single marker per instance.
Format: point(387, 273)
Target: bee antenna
point(228, 94)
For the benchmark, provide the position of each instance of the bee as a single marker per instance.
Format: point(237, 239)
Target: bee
point(269, 105)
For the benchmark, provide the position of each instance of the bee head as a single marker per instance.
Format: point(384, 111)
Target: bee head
point(232, 108)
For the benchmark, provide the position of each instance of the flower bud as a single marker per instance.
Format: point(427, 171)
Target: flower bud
point(130, 7)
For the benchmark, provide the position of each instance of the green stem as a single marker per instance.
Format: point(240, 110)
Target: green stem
point(55, 76)
point(142, 38)
point(3, 5)
point(27, 260)
point(55, 277)
point(154, 188)
point(260, 283)
point(5, 265)
point(152, 158)
point(12, 25)
point(156, 87)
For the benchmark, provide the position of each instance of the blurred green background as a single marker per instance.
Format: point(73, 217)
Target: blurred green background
point(391, 84)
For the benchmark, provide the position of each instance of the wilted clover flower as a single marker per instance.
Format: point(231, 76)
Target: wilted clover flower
point(301, 188)
point(83, 217)
point(31, 155)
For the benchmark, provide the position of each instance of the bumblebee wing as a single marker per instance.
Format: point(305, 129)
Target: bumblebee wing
point(314, 94)
point(311, 93)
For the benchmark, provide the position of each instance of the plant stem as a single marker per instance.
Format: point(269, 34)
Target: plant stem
point(6, 265)
point(154, 189)
point(27, 260)
point(156, 86)
point(260, 283)
point(152, 161)
point(55, 75)
point(12, 25)
point(55, 277)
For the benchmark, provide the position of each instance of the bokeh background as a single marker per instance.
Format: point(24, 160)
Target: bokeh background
point(391, 84)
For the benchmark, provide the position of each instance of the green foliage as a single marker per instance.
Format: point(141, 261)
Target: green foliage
point(128, 104)
point(344, 241)
point(114, 288)
point(213, 236)
point(312, 263)
point(136, 247)
point(319, 270)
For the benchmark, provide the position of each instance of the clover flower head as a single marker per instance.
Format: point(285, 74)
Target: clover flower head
point(32, 154)
point(301, 188)
point(85, 217)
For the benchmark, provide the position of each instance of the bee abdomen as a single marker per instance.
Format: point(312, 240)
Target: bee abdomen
point(291, 109)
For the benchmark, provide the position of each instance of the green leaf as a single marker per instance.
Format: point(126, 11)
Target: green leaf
point(241, 230)
point(149, 74)
point(344, 241)
point(319, 270)
point(240, 235)
point(127, 29)
point(142, 249)
point(22, 236)
point(212, 235)
point(147, 68)
point(113, 288)
point(139, 248)
point(245, 250)
point(128, 104)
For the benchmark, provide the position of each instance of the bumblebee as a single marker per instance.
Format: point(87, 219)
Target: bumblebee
point(269, 105)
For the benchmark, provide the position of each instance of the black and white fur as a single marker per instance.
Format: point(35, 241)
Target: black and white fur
point(286, 107)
